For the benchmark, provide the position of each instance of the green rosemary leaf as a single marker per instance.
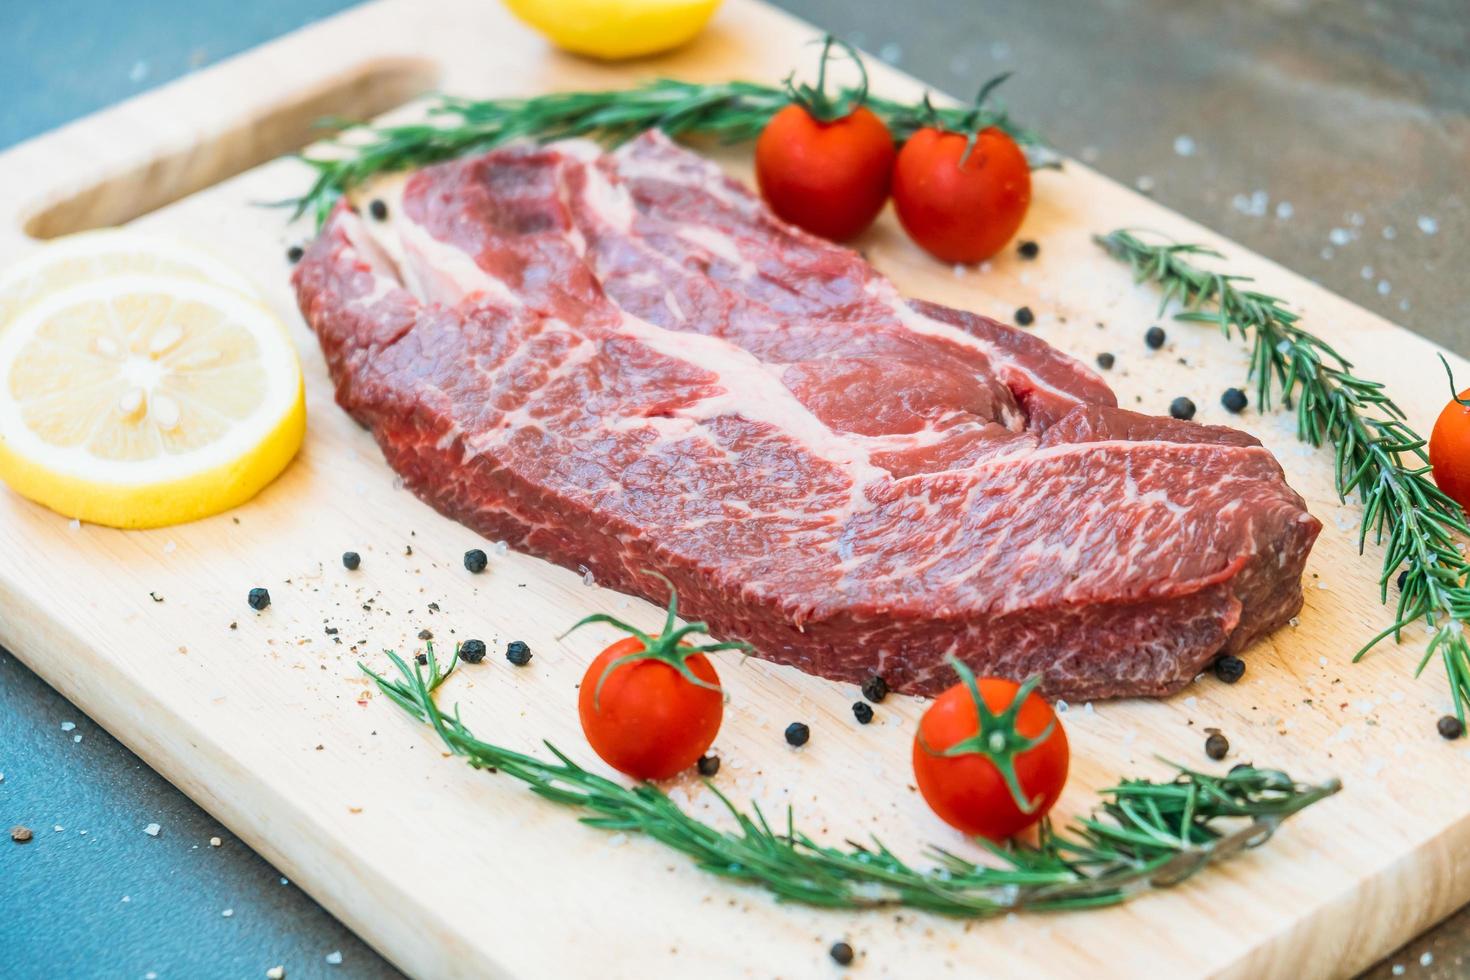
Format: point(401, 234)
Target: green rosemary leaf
point(1377, 455)
point(729, 112)
point(1144, 834)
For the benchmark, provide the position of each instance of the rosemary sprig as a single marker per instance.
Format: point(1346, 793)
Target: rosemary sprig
point(1377, 455)
point(729, 112)
point(1143, 834)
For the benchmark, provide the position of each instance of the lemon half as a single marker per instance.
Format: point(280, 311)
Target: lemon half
point(138, 401)
point(615, 29)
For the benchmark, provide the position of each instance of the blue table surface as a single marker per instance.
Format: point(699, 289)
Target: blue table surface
point(1259, 95)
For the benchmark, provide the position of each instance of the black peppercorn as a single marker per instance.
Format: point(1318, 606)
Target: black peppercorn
point(294, 253)
point(1105, 361)
point(1025, 317)
point(1028, 249)
point(1451, 727)
point(862, 712)
point(475, 560)
point(1234, 400)
point(875, 689)
point(350, 560)
point(1182, 408)
point(797, 733)
point(378, 210)
point(259, 598)
point(425, 634)
point(421, 658)
point(518, 653)
point(709, 765)
point(1216, 746)
point(1229, 668)
point(472, 651)
point(1154, 337)
point(1403, 579)
point(841, 954)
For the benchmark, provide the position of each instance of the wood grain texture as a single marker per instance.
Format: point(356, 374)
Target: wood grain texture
point(265, 719)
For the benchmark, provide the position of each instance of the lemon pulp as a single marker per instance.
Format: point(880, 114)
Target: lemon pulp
point(138, 401)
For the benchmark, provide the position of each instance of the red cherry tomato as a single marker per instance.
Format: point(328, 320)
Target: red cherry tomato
point(961, 212)
point(648, 720)
point(968, 790)
point(1449, 449)
point(830, 178)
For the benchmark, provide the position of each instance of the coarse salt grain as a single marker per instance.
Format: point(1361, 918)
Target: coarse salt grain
point(76, 738)
point(74, 524)
point(227, 913)
point(275, 973)
point(334, 958)
point(215, 842)
point(169, 547)
point(1339, 236)
point(152, 830)
point(1061, 707)
point(1428, 225)
point(1145, 184)
point(1426, 959)
point(1384, 288)
point(1184, 146)
point(67, 726)
point(1366, 272)
point(1284, 210)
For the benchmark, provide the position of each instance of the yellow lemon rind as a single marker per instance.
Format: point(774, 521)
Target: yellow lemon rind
point(144, 505)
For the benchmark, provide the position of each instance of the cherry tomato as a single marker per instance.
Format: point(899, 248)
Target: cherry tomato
point(648, 720)
point(830, 178)
point(961, 212)
point(968, 789)
point(1449, 449)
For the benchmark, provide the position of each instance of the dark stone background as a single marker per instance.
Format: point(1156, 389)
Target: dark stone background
point(1330, 135)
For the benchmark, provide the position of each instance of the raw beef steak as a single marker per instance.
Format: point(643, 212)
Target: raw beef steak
point(624, 361)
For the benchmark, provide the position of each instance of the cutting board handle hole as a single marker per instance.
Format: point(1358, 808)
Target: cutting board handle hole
point(372, 88)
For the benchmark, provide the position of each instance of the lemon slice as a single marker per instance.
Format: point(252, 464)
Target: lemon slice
point(615, 29)
point(91, 255)
point(139, 401)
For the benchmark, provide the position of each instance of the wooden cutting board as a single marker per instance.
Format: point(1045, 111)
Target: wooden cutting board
point(265, 720)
